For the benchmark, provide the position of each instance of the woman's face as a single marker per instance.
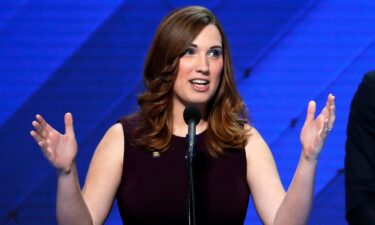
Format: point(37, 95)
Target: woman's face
point(199, 70)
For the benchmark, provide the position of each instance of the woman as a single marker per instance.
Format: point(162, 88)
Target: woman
point(140, 160)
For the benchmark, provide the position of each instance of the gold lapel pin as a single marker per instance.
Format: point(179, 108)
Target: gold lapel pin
point(155, 154)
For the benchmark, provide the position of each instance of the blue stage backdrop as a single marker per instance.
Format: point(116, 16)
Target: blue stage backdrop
point(86, 57)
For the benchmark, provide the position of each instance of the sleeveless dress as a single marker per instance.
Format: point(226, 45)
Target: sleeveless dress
point(153, 190)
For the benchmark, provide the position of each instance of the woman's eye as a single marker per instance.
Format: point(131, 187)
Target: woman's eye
point(215, 53)
point(190, 51)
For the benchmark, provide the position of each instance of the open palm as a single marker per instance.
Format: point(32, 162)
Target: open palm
point(315, 131)
point(59, 149)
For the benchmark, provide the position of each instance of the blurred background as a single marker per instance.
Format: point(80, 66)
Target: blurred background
point(86, 57)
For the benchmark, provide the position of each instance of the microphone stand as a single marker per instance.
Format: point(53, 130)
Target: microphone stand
point(190, 181)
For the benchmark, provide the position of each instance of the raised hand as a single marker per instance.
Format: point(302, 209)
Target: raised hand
point(315, 131)
point(59, 149)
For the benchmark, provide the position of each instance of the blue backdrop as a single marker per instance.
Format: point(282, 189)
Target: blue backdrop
point(86, 57)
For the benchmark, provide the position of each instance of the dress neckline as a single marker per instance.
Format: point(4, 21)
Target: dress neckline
point(183, 137)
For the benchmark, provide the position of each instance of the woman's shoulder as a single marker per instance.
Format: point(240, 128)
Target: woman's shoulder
point(116, 129)
point(250, 130)
point(255, 140)
point(114, 135)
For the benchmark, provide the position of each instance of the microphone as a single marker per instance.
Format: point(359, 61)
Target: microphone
point(192, 117)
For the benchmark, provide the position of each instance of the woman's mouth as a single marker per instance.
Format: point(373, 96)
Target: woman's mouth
point(199, 84)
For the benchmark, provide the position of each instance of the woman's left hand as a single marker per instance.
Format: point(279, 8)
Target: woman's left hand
point(315, 131)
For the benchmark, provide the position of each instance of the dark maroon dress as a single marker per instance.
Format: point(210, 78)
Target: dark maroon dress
point(154, 190)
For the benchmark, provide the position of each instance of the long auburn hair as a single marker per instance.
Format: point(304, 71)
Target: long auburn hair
point(226, 112)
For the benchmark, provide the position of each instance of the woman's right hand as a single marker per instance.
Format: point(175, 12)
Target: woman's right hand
point(59, 149)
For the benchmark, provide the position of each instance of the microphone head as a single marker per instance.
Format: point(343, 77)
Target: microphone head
point(192, 112)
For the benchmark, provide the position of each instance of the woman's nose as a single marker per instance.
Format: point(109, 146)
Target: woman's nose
point(202, 64)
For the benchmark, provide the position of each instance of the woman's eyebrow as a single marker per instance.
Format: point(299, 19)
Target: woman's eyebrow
point(212, 47)
point(216, 46)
